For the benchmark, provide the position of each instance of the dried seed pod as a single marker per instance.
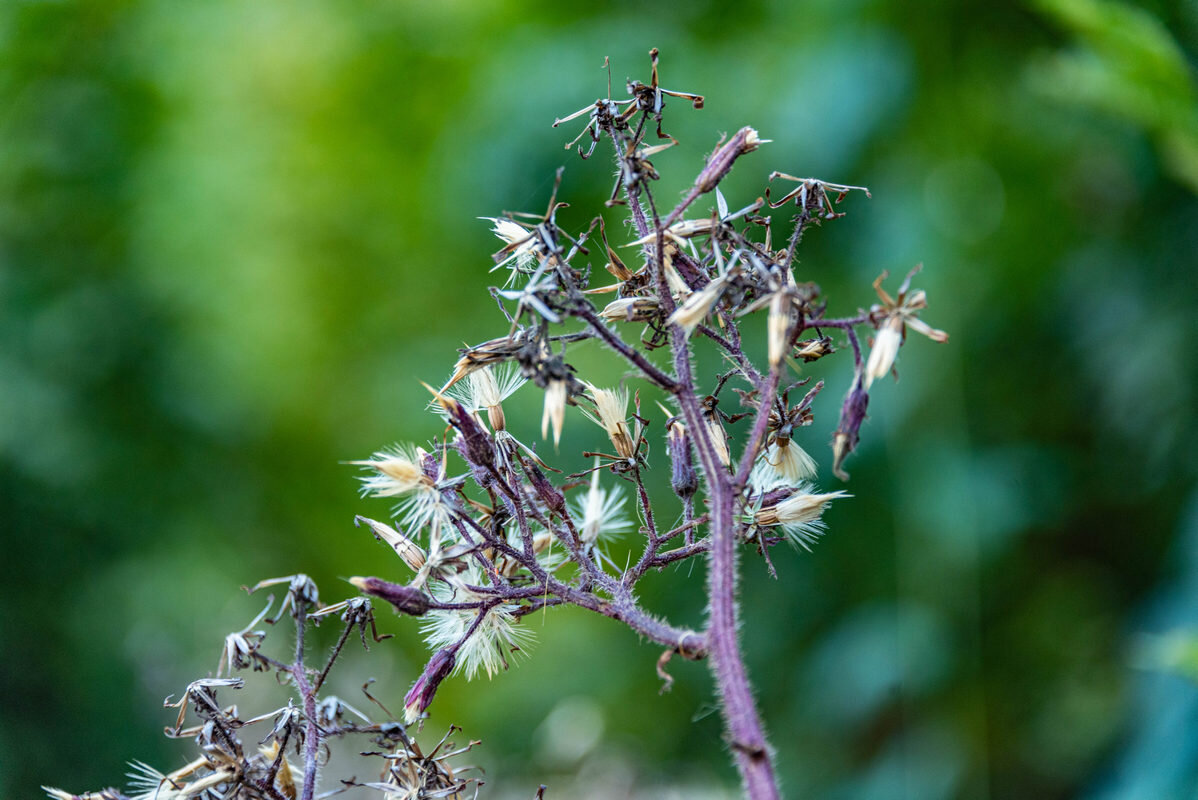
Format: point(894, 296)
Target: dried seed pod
point(683, 478)
point(813, 349)
point(630, 309)
point(405, 599)
point(420, 696)
point(411, 553)
point(852, 414)
point(720, 164)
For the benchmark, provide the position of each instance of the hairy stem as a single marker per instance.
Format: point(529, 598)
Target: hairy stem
point(312, 733)
point(745, 731)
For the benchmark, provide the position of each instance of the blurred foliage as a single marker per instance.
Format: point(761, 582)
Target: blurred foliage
point(233, 236)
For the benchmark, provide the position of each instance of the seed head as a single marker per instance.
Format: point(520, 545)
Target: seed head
point(631, 309)
point(798, 516)
point(554, 414)
point(611, 410)
point(601, 512)
point(885, 350)
point(396, 472)
point(498, 635)
point(791, 462)
point(520, 246)
point(778, 326)
point(411, 553)
point(696, 308)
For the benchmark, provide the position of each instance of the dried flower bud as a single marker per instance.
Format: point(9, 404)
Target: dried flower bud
point(852, 414)
point(698, 305)
point(893, 317)
point(611, 410)
point(798, 516)
point(411, 553)
point(492, 351)
point(420, 696)
point(720, 164)
point(554, 414)
point(885, 349)
point(683, 229)
point(630, 309)
point(405, 599)
point(554, 500)
point(683, 479)
point(288, 779)
point(719, 440)
point(778, 326)
point(812, 349)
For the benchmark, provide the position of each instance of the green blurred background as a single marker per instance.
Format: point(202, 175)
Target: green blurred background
point(233, 236)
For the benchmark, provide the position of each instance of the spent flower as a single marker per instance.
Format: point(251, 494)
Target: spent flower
point(798, 516)
point(892, 318)
point(492, 638)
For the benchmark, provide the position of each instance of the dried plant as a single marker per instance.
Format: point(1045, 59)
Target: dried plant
point(491, 537)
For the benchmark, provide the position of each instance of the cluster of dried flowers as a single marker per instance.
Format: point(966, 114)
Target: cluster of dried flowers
point(289, 745)
point(491, 537)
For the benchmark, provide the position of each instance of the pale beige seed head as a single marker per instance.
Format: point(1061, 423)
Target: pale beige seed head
point(791, 462)
point(885, 350)
point(778, 326)
point(753, 140)
point(798, 509)
point(698, 306)
point(611, 411)
point(630, 309)
point(507, 230)
point(599, 513)
point(719, 441)
point(678, 287)
point(411, 553)
point(592, 519)
point(397, 472)
point(489, 387)
point(555, 410)
point(484, 388)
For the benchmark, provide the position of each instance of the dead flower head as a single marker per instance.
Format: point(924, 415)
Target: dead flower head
point(798, 516)
point(892, 319)
point(611, 411)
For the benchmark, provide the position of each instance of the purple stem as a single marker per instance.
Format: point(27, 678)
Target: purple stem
point(746, 733)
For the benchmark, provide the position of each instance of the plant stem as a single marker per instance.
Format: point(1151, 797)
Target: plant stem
point(745, 732)
point(312, 737)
